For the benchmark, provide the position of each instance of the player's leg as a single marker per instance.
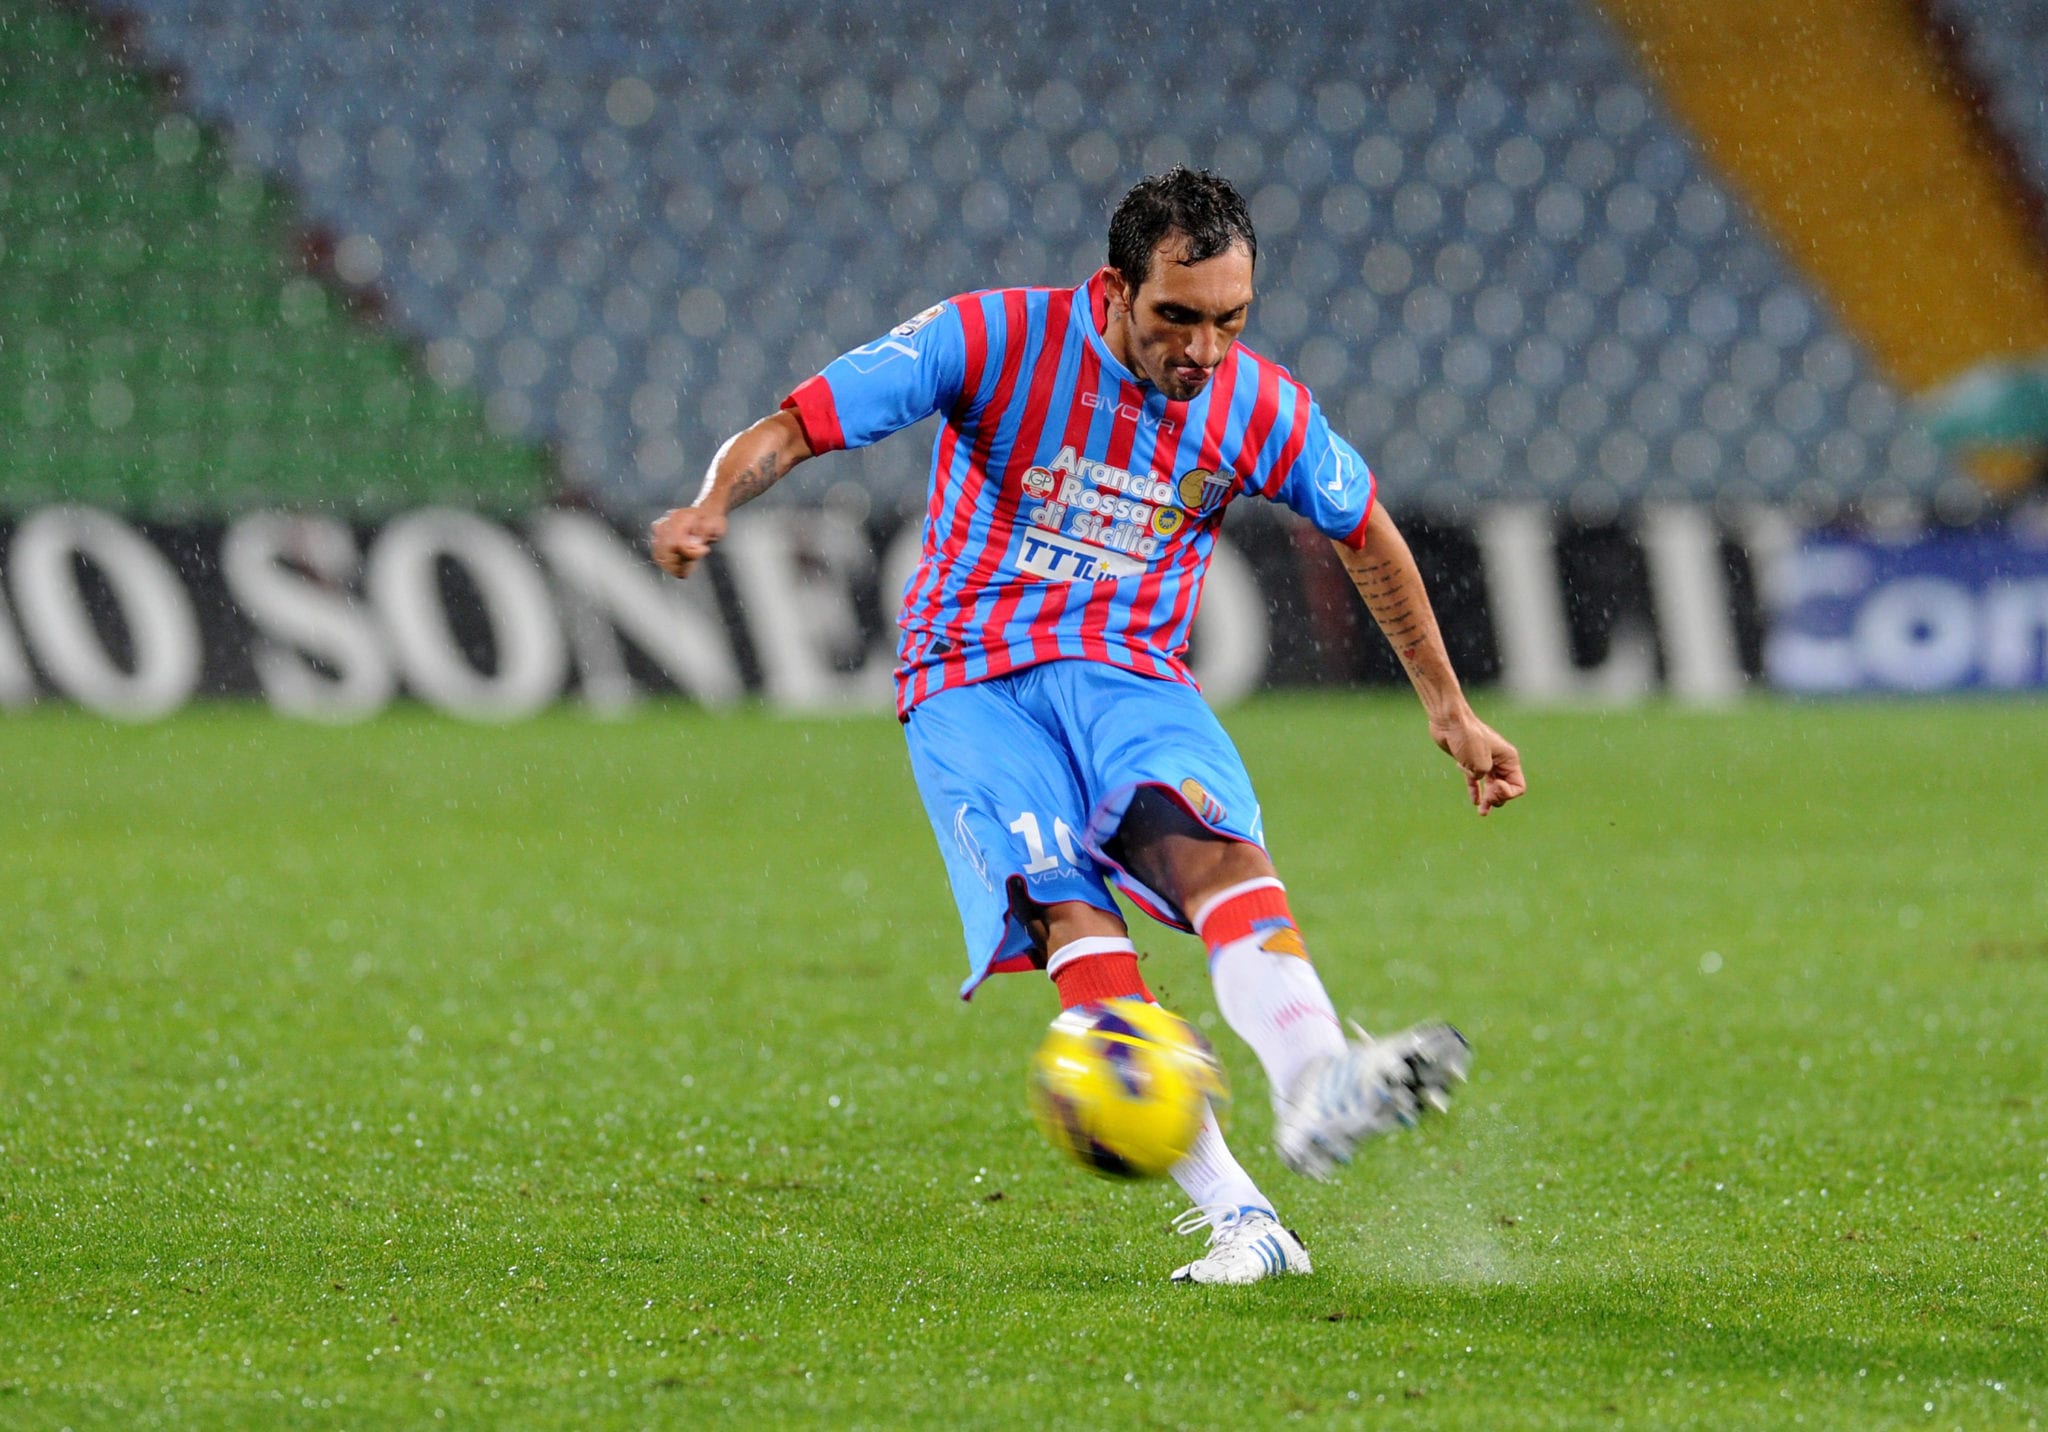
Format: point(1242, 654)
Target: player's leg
point(1328, 1092)
point(1267, 989)
point(1178, 822)
point(1093, 959)
point(1000, 792)
point(1003, 803)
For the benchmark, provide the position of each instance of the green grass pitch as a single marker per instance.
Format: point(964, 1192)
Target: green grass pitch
point(611, 1075)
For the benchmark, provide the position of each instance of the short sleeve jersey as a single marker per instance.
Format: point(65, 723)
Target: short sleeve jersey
point(1073, 508)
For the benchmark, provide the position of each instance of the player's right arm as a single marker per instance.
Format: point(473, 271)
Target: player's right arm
point(912, 371)
point(747, 464)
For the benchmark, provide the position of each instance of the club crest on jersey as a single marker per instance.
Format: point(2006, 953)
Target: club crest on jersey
point(1201, 490)
point(1205, 805)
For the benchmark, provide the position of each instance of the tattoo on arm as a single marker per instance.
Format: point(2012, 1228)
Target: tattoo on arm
point(757, 478)
point(1387, 595)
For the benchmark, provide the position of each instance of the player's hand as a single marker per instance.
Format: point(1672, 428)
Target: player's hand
point(1493, 768)
point(683, 537)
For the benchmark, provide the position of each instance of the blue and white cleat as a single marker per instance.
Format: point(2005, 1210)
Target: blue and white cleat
point(1249, 1246)
point(1374, 1087)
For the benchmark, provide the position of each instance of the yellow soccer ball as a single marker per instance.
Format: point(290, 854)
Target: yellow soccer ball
point(1119, 1087)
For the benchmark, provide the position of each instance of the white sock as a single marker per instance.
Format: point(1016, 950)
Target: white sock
point(1213, 1179)
point(1278, 1006)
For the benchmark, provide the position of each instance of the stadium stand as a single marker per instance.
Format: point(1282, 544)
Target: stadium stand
point(629, 225)
point(2005, 45)
point(160, 350)
point(1841, 124)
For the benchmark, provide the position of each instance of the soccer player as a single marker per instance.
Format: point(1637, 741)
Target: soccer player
point(1090, 441)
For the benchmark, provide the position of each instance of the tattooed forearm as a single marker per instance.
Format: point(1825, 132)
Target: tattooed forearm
point(758, 477)
point(750, 462)
point(1390, 594)
point(1390, 585)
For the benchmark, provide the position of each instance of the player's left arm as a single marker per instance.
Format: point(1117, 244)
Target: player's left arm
point(1322, 477)
point(1384, 571)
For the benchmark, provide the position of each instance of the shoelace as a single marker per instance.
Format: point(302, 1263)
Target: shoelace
point(1218, 1218)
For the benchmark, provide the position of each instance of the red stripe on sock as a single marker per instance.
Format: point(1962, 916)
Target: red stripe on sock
point(1095, 978)
point(1235, 918)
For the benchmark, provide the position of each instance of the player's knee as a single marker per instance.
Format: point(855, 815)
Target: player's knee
point(1065, 921)
point(1175, 854)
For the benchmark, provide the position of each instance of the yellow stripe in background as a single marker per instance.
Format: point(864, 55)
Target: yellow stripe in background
point(1842, 126)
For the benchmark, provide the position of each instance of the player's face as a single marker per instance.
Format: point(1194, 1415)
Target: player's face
point(1182, 320)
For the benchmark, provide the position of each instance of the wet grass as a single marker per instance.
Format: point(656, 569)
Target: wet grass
point(611, 1074)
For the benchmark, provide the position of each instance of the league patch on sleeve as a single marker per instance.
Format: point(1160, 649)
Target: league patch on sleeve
point(910, 325)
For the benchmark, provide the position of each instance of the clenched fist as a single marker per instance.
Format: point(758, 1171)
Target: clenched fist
point(684, 536)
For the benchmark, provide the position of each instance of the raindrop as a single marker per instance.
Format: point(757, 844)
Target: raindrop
point(1589, 163)
point(521, 362)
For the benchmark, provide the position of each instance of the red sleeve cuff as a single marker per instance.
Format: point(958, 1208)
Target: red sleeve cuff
point(1356, 540)
point(817, 414)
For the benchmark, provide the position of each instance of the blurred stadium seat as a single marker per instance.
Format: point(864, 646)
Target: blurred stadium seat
point(2005, 45)
point(629, 226)
point(158, 349)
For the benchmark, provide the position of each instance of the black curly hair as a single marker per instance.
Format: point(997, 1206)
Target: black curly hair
point(1201, 206)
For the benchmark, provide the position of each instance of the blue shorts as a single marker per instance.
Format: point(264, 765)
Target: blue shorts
point(1026, 778)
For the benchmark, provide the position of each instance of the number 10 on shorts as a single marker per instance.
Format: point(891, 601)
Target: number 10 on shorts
point(1043, 860)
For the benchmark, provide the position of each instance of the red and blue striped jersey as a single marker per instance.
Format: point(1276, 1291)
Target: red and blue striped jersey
point(1073, 508)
